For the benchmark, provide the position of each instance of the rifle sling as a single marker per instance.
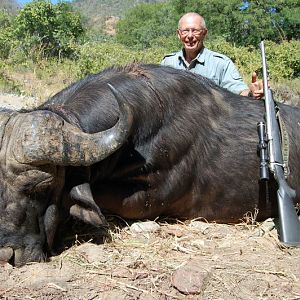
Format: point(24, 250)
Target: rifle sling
point(284, 144)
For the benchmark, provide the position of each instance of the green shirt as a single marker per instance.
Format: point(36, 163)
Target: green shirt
point(210, 64)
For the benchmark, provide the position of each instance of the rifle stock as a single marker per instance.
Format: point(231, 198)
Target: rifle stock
point(289, 224)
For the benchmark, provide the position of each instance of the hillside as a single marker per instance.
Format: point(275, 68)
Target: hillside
point(96, 13)
point(9, 5)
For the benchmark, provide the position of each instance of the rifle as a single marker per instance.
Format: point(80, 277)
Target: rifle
point(271, 159)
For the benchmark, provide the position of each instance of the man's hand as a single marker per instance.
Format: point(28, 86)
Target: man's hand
point(256, 87)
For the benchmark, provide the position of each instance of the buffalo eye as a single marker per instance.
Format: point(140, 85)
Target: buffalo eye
point(33, 181)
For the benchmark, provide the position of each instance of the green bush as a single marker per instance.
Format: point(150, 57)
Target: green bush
point(94, 57)
point(169, 44)
point(6, 36)
point(284, 59)
point(6, 83)
point(50, 30)
point(144, 23)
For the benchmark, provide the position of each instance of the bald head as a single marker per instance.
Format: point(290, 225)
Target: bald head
point(191, 32)
point(192, 17)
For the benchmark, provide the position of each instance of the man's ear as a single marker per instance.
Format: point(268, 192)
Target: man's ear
point(178, 34)
point(205, 33)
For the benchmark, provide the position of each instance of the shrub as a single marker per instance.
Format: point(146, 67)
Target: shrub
point(94, 57)
point(284, 59)
point(6, 37)
point(51, 30)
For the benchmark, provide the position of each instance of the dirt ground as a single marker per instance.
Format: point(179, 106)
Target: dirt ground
point(165, 259)
point(190, 260)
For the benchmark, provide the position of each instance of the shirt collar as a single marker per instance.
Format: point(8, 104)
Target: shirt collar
point(200, 57)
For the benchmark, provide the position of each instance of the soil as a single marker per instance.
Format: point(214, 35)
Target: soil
point(12, 101)
point(166, 259)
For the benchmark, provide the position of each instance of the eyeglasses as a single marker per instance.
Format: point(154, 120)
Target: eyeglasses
point(195, 32)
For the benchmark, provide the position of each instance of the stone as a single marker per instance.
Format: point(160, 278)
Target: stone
point(191, 279)
point(144, 227)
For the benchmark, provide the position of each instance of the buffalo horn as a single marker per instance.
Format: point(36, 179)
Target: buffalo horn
point(51, 139)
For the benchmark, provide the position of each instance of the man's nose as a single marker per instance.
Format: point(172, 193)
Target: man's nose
point(190, 34)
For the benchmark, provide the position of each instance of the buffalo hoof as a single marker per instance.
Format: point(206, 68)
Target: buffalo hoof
point(20, 256)
point(6, 254)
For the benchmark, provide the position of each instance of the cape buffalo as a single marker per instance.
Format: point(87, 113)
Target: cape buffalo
point(139, 141)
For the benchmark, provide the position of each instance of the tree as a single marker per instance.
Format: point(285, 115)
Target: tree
point(247, 22)
point(240, 22)
point(144, 23)
point(52, 29)
point(6, 39)
point(257, 20)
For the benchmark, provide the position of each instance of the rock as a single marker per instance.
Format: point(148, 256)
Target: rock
point(175, 230)
point(267, 226)
point(6, 254)
point(191, 278)
point(12, 101)
point(203, 227)
point(92, 253)
point(144, 227)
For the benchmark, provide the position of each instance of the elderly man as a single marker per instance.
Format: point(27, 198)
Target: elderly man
point(198, 59)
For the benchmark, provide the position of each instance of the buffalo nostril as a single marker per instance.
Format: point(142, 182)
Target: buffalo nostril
point(6, 254)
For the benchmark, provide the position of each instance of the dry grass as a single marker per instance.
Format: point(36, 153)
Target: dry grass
point(287, 92)
point(245, 261)
point(44, 78)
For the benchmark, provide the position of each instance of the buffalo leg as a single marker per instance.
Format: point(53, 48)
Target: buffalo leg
point(126, 202)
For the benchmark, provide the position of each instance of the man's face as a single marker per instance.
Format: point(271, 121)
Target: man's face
point(191, 34)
